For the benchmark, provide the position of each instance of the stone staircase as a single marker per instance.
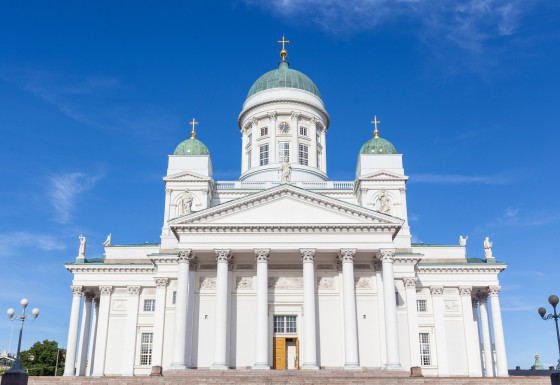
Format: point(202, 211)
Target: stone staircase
point(242, 376)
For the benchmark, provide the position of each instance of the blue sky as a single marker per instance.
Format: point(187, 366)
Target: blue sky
point(96, 95)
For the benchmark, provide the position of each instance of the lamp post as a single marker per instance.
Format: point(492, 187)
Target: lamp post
point(553, 300)
point(16, 371)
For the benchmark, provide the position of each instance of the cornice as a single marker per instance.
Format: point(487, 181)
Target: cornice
point(285, 228)
point(101, 268)
point(460, 269)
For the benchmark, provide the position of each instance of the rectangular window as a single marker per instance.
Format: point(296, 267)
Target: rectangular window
point(263, 155)
point(303, 154)
point(264, 131)
point(283, 151)
point(303, 131)
point(285, 324)
point(425, 357)
point(249, 159)
point(149, 305)
point(421, 305)
point(146, 348)
point(174, 298)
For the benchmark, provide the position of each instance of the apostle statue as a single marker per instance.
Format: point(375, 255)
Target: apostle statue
point(186, 203)
point(487, 248)
point(107, 241)
point(384, 203)
point(82, 252)
point(286, 171)
point(463, 241)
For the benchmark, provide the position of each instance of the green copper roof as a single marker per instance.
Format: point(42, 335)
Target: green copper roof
point(191, 146)
point(538, 364)
point(378, 145)
point(284, 77)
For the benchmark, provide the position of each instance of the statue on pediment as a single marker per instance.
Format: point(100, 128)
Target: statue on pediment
point(82, 252)
point(186, 203)
point(463, 241)
point(488, 248)
point(384, 202)
point(286, 172)
point(107, 241)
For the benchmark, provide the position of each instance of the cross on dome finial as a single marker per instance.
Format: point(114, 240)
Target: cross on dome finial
point(193, 123)
point(375, 121)
point(283, 53)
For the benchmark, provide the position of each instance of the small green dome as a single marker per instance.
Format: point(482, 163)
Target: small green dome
point(191, 146)
point(378, 145)
point(284, 77)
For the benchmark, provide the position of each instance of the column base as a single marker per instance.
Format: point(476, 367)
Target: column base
point(393, 366)
point(219, 366)
point(310, 366)
point(178, 365)
point(261, 366)
point(157, 371)
point(352, 366)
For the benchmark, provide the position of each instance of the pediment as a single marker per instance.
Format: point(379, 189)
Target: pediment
point(287, 205)
point(187, 176)
point(383, 175)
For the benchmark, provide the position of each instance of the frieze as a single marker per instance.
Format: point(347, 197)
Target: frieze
point(245, 267)
point(285, 282)
point(207, 267)
point(208, 283)
point(325, 283)
point(119, 305)
point(362, 282)
point(325, 267)
point(244, 283)
point(450, 306)
point(274, 266)
point(362, 266)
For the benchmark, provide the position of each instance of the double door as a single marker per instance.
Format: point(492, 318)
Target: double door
point(286, 353)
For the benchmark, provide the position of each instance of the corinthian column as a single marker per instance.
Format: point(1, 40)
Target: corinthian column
point(70, 365)
point(84, 334)
point(486, 338)
point(470, 339)
point(180, 331)
point(92, 337)
point(412, 313)
point(387, 257)
point(439, 325)
point(261, 326)
point(309, 329)
point(352, 361)
point(501, 361)
point(102, 328)
point(223, 258)
point(159, 321)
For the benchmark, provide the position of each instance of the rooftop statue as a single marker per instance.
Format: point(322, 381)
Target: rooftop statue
point(286, 172)
point(186, 203)
point(82, 252)
point(487, 248)
point(463, 241)
point(107, 241)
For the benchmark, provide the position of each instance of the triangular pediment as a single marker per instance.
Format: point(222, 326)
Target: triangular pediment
point(287, 205)
point(187, 176)
point(383, 175)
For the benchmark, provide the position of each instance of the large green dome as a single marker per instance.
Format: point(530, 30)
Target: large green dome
point(378, 145)
point(284, 77)
point(191, 146)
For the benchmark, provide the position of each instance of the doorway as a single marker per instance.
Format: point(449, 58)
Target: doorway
point(286, 353)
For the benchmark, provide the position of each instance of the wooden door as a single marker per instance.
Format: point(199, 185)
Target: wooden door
point(297, 353)
point(279, 349)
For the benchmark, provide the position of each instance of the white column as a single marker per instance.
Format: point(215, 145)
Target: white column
point(70, 365)
point(387, 257)
point(352, 360)
point(381, 314)
point(129, 347)
point(439, 325)
point(273, 150)
point(84, 334)
point(295, 141)
point(254, 148)
point(159, 322)
point(501, 361)
point(102, 328)
point(412, 313)
point(261, 325)
point(223, 256)
point(190, 312)
point(92, 336)
point(324, 153)
point(180, 330)
point(473, 353)
point(486, 338)
point(166, 213)
point(476, 332)
point(309, 324)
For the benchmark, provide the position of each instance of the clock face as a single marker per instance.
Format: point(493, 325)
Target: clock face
point(284, 128)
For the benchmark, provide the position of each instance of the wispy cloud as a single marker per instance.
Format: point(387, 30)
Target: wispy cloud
point(64, 190)
point(12, 242)
point(462, 179)
point(412, 217)
point(517, 217)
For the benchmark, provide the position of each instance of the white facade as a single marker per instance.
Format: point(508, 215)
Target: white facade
point(304, 275)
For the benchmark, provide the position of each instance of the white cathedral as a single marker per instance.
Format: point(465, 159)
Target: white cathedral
point(285, 268)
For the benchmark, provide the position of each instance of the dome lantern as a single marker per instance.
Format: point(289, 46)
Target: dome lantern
point(192, 146)
point(377, 145)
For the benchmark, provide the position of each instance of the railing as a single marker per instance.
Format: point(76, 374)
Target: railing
point(231, 185)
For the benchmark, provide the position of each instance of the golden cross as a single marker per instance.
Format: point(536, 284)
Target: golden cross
point(375, 121)
point(283, 53)
point(193, 123)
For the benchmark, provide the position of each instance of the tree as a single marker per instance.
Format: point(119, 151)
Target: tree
point(40, 359)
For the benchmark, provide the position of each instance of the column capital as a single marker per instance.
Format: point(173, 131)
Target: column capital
point(77, 290)
point(184, 255)
point(387, 255)
point(465, 291)
point(409, 282)
point(88, 296)
point(133, 290)
point(307, 255)
point(262, 255)
point(105, 290)
point(436, 290)
point(161, 282)
point(272, 116)
point(494, 290)
point(223, 255)
point(347, 255)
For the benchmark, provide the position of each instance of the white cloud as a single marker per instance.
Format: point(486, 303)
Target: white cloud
point(412, 217)
point(65, 188)
point(516, 217)
point(462, 179)
point(12, 242)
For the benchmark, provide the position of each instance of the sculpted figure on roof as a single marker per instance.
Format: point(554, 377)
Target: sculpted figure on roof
point(286, 172)
point(488, 248)
point(186, 203)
